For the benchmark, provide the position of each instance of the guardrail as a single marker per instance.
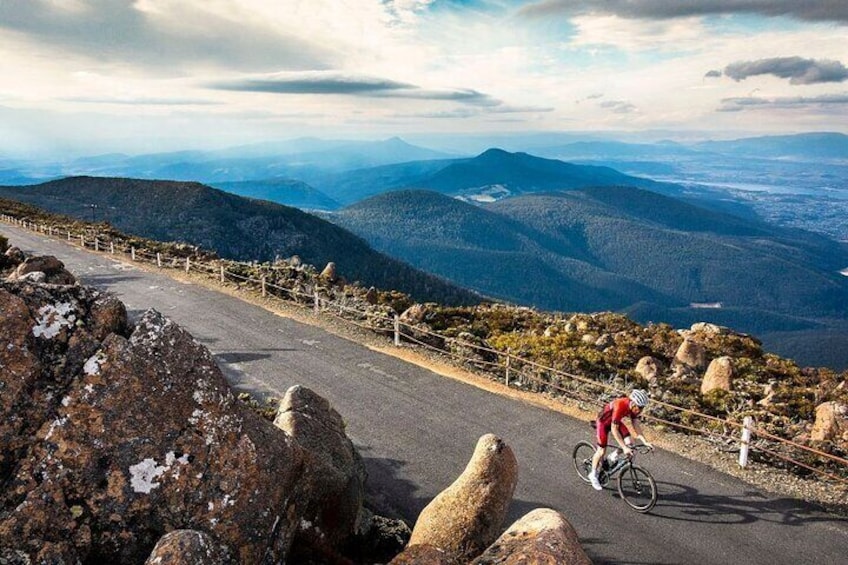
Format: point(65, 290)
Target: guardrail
point(497, 364)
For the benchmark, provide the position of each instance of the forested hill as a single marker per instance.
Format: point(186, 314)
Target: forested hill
point(235, 227)
point(614, 249)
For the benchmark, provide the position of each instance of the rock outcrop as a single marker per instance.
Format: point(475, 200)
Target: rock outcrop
point(335, 468)
point(329, 272)
point(542, 537)
point(648, 368)
point(467, 516)
point(719, 375)
point(53, 269)
point(188, 547)
point(831, 421)
point(691, 354)
point(423, 555)
point(109, 444)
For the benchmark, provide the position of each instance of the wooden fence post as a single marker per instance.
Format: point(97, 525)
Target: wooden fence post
point(96, 244)
point(158, 259)
point(315, 301)
point(82, 240)
point(397, 330)
point(188, 264)
point(747, 425)
point(132, 253)
point(223, 279)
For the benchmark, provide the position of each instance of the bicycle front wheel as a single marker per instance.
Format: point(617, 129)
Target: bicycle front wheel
point(582, 456)
point(637, 488)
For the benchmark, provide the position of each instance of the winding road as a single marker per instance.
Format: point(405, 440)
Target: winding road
point(416, 431)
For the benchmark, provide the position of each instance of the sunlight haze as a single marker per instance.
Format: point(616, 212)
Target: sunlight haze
point(87, 76)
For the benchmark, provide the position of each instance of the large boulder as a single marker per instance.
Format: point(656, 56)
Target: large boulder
point(48, 335)
point(53, 269)
point(648, 368)
point(831, 419)
point(467, 516)
point(333, 467)
point(691, 354)
point(329, 272)
point(188, 547)
point(107, 445)
point(422, 555)
point(719, 375)
point(541, 537)
point(415, 314)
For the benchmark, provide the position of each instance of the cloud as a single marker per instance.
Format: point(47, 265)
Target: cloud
point(330, 82)
point(161, 34)
point(796, 69)
point(619, 106)
point(140, 101)
point(712, 74)
point(808, 10)
point(786, 102)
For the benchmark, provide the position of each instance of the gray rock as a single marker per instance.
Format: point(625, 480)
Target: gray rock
point(719, 375)
point(334, 469)
point(188, 547)
point(115, 442)
point(467, 516)
point(541, 537)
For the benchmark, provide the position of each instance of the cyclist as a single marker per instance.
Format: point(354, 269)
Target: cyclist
point(610, 420)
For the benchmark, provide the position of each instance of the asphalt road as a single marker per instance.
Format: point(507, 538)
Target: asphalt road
point(416, 431)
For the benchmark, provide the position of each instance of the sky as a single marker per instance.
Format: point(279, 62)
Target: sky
point(94, 76)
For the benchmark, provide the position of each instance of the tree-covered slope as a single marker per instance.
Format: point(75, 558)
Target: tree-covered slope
point(235, 227)
point(612, 248)
point(282, 191)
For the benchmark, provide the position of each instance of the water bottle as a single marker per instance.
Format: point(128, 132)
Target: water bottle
point(612, 457)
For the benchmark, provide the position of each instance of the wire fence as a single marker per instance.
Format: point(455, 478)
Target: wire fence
point(513, 370)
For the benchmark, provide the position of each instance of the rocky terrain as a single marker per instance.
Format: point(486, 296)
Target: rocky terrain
point(123, 443)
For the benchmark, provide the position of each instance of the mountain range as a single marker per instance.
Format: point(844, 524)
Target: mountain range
point(526, 228)
point(235, 227)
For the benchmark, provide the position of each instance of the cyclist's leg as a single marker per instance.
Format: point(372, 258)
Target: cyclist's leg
point(601, 437)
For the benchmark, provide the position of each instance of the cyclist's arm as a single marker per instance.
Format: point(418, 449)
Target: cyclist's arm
point(637, 431)
point(616, 434)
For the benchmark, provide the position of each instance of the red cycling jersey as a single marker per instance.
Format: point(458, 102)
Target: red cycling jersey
point(612, 414)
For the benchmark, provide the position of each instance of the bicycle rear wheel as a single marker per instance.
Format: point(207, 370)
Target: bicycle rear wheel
point(637, 488)
point(582, 456)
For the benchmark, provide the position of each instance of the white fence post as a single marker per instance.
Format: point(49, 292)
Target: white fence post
point(158, 259)
point(69, 236)
point(132, 253)
point(264, 290)
point(316, 304)
point(508, 356)
point(397, 330)
point(188, 264)
point(747, 425)
point(112, 247)
point(96, 244)
point(82, 240)
point(223, 280)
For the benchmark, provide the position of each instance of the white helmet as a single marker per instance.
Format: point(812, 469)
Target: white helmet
point(639, 397)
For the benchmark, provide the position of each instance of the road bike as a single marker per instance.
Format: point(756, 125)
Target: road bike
point(636, 486)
